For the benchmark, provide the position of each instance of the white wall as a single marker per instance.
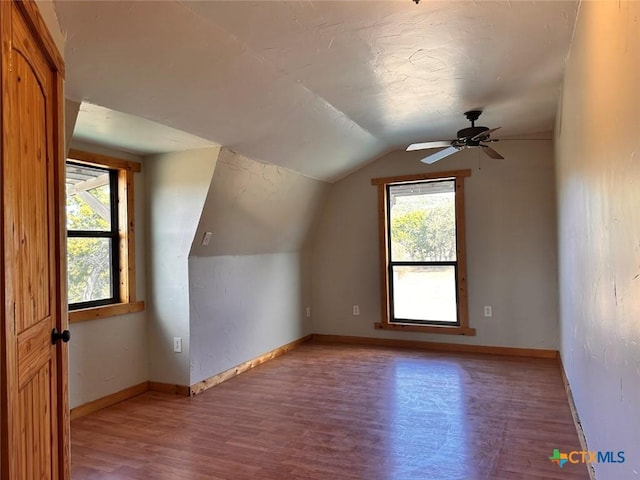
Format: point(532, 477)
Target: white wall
point(249, 287)
point(110, 354)
point(242, 307)
point(511, 247)
point(71, 110)
point(177, 186)
point(254, 208)
point(48, 13)
point(245, 294)
point(598, 185)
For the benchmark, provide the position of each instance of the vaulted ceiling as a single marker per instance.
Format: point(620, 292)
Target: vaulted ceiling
point(319, 87)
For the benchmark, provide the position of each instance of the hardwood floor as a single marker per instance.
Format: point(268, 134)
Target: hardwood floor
point(343, 412)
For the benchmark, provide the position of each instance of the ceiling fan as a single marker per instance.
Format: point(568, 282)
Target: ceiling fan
point(470, 137)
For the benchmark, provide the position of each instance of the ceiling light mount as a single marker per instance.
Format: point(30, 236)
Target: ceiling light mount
point(472, 116)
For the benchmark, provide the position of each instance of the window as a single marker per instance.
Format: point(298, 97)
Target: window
point(92, 236)
point(422, 253)
point(100, 236)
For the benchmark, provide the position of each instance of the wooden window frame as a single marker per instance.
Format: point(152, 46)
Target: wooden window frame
point(463, 309)
point(126, 234)
point(112, 233)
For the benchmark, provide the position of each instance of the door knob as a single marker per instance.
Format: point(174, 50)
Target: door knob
point(65, 336)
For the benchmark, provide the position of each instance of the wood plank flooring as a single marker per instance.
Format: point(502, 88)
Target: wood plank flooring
point(343, 412)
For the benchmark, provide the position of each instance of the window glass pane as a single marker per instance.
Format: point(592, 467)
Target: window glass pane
point(89, 269)
point(88, 198)
point(422, 219)
point(424, 293)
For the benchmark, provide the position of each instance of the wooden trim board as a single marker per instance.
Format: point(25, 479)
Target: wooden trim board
point(200, 387)
point(444, 329)
point(436, 346)
point(169, 388)
point(574, 414)
point(32, 13)
point(105, 311)
point(417, 177)
point(98, 160)
point(109, 400)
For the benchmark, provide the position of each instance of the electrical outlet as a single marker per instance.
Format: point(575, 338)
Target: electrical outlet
point(308, 312)
point(356, 310)
point(488, 311)
point(177, 345)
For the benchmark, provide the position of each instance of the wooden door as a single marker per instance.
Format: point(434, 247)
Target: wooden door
point(34, 431)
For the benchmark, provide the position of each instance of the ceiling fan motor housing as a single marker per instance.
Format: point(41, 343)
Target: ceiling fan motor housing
point(465, 135)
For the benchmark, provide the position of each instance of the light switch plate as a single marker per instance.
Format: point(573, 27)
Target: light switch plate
point(207, 238)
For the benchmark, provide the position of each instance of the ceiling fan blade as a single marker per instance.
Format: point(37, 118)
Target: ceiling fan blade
point(484, 134)
point(425, 145)
point(491, 152)
point(440, 155)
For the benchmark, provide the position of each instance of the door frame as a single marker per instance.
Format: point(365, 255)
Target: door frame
point(31, 14)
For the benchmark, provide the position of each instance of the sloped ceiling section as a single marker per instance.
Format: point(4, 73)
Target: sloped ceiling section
point(174, 67)
point(319, 87)
point(132, 134)
point(256, 208)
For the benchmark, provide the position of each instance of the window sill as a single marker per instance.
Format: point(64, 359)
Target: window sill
point(427, 328)
point(95, 313)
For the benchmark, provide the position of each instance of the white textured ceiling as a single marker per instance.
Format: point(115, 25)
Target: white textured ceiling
point(320, 87)
point(130, 133)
